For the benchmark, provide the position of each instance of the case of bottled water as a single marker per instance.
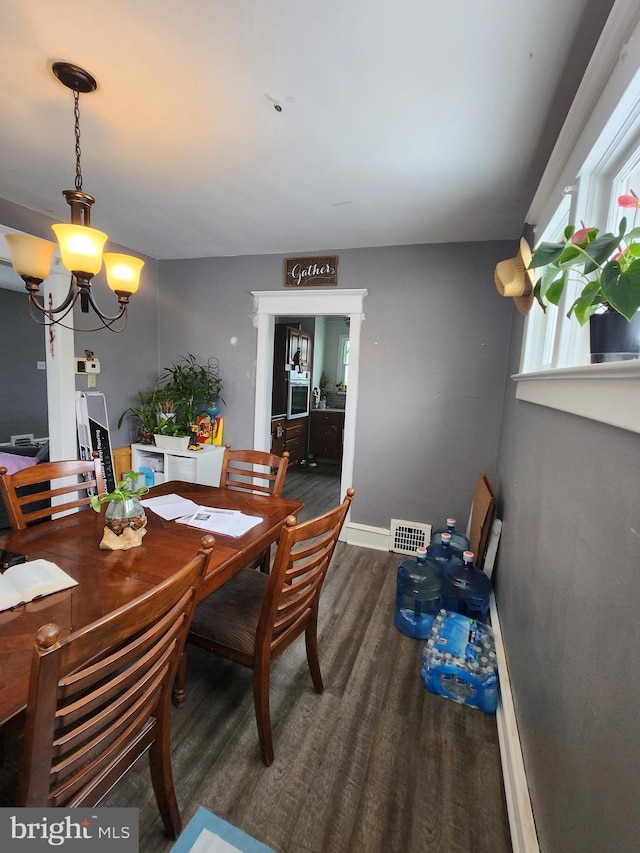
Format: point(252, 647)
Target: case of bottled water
point(459, 661)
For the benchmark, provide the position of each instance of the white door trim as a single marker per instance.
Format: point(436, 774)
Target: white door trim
point(269, 304)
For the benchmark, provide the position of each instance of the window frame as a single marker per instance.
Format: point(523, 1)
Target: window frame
point(597, 150)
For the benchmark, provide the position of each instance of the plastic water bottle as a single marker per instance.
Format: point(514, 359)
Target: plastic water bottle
point(459, 541)
point(442, 553)
point(466, 589)
point(418, 595)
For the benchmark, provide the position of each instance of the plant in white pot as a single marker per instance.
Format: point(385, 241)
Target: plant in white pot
point(608, 266)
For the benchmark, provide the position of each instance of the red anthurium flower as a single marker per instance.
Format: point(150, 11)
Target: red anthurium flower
point(581, 235)
point(629, 201)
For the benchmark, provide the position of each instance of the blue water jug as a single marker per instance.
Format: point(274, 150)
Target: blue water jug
point(459, 541)
point(418, 595)
point(443, 554)
point(466, 589)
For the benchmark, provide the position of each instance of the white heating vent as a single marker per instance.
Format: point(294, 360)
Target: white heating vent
point(406, 536)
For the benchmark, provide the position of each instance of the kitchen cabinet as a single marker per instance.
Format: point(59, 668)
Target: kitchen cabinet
point(299, 349)
point(292, 350)
point(278, 439)
point(295, 438)
point(326, 436)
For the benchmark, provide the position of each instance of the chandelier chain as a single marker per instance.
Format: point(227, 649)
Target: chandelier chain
point(76, 114)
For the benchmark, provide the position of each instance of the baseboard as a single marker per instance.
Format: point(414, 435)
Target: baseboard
point(524, 838)
point(366, 536)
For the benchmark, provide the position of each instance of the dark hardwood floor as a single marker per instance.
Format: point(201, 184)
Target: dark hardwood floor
point(376, 764)
point(318, 486)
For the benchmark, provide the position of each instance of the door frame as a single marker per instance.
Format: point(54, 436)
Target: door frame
point(269, 304)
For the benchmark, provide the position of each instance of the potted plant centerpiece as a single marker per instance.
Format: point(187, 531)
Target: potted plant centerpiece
point(124, 519)
point(609, 267)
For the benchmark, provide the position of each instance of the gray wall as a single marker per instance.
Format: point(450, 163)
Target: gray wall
point(433, 358)
point(568, 587)
point(23, 388)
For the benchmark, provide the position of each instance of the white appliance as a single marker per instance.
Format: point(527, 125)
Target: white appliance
point(298, 394)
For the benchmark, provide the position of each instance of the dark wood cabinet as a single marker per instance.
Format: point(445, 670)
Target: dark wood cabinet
point(326, 436)
point(292, 350)
point(295, 438)
point(278, 440)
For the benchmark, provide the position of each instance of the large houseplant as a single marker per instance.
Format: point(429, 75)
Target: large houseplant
point(179, 394)
point(192, 386)
point(607, 264)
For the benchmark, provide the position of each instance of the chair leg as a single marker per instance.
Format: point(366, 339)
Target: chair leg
point(265, 561)
point(180, 683)
point(263, 716)
point(311, 642)
point(162, 778)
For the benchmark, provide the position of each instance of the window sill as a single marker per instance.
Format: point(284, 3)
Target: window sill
point(608, 393)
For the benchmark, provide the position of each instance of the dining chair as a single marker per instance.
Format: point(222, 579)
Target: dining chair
point(254, 471)
point(254, 617)
point(27, 493)
point(101, 697)
point(258, 472)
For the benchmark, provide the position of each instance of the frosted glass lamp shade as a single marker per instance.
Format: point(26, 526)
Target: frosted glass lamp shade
point(80, 248)
point(30, 256)
point(123, 272)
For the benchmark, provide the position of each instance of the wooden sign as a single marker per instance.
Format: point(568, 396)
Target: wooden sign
point(311, 272)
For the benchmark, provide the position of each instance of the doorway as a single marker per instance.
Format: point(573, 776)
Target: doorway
point(306, 303)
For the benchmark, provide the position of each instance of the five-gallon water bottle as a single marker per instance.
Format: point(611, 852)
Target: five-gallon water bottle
point(418, 596)
point(459, 541)
point(442, 553)
point(466, 589)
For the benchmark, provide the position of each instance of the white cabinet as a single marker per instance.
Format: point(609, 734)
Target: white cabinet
point(194, 466)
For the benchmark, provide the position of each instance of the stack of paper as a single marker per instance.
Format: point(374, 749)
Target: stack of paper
point(226, 522)
point(170, 506)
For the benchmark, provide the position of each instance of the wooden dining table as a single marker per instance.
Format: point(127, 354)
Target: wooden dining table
point(109, 579)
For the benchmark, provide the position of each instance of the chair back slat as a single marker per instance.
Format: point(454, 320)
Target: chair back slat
point(99, 698)
point(254, 471)
point(25, 491)
point(300, 567)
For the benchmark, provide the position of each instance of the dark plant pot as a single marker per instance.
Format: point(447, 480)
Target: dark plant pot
point(613, 337)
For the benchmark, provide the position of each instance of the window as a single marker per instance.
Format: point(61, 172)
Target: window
point(343, 360)
point(595, 160)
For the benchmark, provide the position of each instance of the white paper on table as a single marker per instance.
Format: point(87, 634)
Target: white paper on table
point(170, 506)
point(226, 522)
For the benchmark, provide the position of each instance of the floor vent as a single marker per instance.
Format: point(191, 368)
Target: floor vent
point(406, 536)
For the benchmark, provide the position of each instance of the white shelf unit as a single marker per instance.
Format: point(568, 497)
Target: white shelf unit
point(195, 466)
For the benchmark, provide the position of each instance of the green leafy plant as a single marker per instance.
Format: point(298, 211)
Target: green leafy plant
point(608, 264)
point(191, 386)
point(169, 427)
point(125, 490)
point(144, 414)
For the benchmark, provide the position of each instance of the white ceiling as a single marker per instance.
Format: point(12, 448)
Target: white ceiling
point(412, 121)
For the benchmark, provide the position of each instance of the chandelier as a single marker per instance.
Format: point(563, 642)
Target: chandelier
point(80, 245)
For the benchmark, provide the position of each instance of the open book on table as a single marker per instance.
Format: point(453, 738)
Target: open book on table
point(27, 581)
